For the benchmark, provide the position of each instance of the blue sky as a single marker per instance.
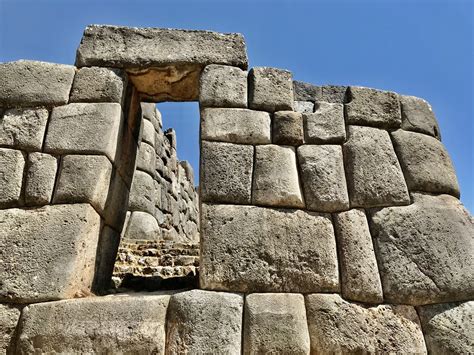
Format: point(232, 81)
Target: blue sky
point(422, 48)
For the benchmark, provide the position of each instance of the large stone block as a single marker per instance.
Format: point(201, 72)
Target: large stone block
point(374, 176)
point(47, 253)
point(275, 181)
point(31, 83)
point(226, 172)
point(99, 85)
point(288, 128)
point(12, 163)
point(40, 179)
point(84, 128)
point(9, 316)
point(360, 279)
point(203, 322)
point(235, 126)
point(255, 249)
point(270, 89)
point(323, 178)
point(275, 323)
point(305, 91)
point(418, 116)
point(151, 113)
point(223, 86)
point(425, 251)
point(425, 163)
point(148, 132)
point(372, 108)
point(84, 178)
point(132, 324)
point(146, 158)
point(304, 106)
point(142, 196)
point(339, 327)
point(23, 128)
point(142, 226)
point(326, 124)
point(448, 328)
point(335, 94)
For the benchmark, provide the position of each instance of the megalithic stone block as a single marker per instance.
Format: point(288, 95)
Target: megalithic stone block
point(40, 179)
point(418, 116)
point(326, 124)
point(9, 317)
point(270, 89)
point(12, 163)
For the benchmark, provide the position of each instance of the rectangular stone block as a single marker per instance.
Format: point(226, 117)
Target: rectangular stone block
point(32, 83)
point(323, 178)
point(204, 322)
point(326, 124)
point(147, 132)
point(142, 196)
point(235, 125)
point(288, 128)
point(146, 158)
point(133, 324)
point(418, 116)
point(40, 178)
point(275, 323)
point(9, 317)
point(255, 249)
point(23, 128)
point(84, 128)
point(48, 253)
point(270, 89)
point(12, 163)
point(374, 176)
point(304, 106)
point(305, 91)
point(226, 172)
point(335, 94)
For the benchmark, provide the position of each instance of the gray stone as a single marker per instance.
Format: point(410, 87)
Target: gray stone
point(223, 86)
point(275, 181)
point(203, 322)
point(372, 107)
point(171, 135)
point(448, 328)
point(188, 169)
point(40, 179)
point(142, 226)
point(424, 251)
point(151, 113)
point(131, 324)
point(288, 128)
point(418, 116)
point(323, 178)
point(142, 197)
point(12, 163)
point(326, 124)
point(360, 279)
point(107, 248)
point(425, 163)
point(99, 85)
point(117, 202)
point(84, 178)
point(255, 249)
point(374, 176)
point(48, 253)
point(31, 83)
point(9, 316)
point(332, 94)
point(339, 327)
point(148, 132)
point(270, 89)
point(305, 91)
point(146, 158)
point(84, 128)
point(23, 128)
point(235, 125)
point(304, 106)
point(275, 323)
point(226, 172)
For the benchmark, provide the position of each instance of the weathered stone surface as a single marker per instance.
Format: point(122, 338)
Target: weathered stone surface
point(425, 163)
point(275, 323)
point(326, 124)
point(418, 116)
point(304, 106)
point(374, 176)
point(117, 202)
point(142, 225)
point(323, 178)
point(305, 91)
point(203, 322)
point(339, 327)
point(255, 249)
point(142, 197)
point(226, 172)
point(132, 324)
point(12, 163)
point(146, 158)
point(40, 179)
point(23, 128)
point(9, 316)
point(270, 89)
point(148, 132)
point(99, 85)
point(31, 83)
point(107, 248)
point(448, 328)
point(235, 126)
point(84, 178)
point(188, 169)
point(223, 86)
point(275, 180)
point(332, 93)
point(129, 47)
point(84, 128)
point(48, 253)
point(372, 107)
point(360, 279)
point(425, 251)
point(288, 128)
point(151, 113)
